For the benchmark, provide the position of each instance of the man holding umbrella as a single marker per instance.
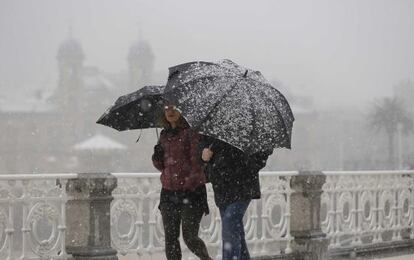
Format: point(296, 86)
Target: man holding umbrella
point(235, 179)
point(242, 118)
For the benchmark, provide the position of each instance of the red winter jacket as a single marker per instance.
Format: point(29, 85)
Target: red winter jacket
point(179, 160)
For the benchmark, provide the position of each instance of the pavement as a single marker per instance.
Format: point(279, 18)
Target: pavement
point(162, 257)
point(403, 257)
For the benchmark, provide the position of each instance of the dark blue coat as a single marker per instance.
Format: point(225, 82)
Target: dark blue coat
point(233, 174)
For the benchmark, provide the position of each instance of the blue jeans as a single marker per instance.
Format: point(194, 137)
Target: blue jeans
point(234, 244)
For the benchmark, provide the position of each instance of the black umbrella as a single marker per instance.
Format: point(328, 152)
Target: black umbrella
point(228, 102)
point(140, 109)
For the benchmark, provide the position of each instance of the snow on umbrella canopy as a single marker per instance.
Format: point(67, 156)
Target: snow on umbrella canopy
point(231, 103)
point(137, 110)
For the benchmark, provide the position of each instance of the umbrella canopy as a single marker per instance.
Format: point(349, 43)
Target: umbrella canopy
point(140, 109)
point(231, 103)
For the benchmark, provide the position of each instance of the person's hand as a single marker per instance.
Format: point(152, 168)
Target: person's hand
point(207, 154)
point(158, 152)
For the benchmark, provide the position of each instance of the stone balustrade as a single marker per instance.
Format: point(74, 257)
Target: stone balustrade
point(302, 215)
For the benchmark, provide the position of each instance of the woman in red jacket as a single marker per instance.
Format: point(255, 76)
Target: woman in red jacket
point(183, 195)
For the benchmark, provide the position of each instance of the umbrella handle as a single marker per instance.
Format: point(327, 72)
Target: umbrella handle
point(139, 137)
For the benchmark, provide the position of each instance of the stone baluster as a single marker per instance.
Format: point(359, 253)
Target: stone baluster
point(309, 243)
point(88, 235)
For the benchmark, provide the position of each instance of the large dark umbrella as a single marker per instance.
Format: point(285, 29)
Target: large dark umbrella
point(231, 103)
point(140, 109)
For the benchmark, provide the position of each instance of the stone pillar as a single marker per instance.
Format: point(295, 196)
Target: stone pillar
point(88, 235)
point(309, 243)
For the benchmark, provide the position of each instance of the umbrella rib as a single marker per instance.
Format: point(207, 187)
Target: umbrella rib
point(168, 91)
point(196, 79)
point(208, 76)
point(254, 122)
point(216, 105)
point(277, 110)
point(282, 97)
point(271, 101)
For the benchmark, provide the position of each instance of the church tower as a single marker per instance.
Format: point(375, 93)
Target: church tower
point(68, 98)
point(70, 59)
point(140, 65)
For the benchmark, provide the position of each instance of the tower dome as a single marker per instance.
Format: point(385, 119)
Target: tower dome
point(70, 50)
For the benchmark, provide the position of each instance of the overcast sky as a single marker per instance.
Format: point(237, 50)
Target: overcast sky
point(341, 52)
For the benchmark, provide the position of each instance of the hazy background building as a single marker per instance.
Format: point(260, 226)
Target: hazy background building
point(63, 64)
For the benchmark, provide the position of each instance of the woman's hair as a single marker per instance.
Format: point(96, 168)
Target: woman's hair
point(181, 122)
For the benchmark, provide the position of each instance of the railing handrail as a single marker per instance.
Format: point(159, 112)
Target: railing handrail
point(370, 172)
point(43, 176)
point(157, 174)
point(278, 173)
point(32, 176)
point(136, 174)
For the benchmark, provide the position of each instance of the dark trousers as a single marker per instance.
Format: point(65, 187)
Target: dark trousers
point(234, 243)
point(190, 217)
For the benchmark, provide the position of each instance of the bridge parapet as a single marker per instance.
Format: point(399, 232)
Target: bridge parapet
point(329, 214)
